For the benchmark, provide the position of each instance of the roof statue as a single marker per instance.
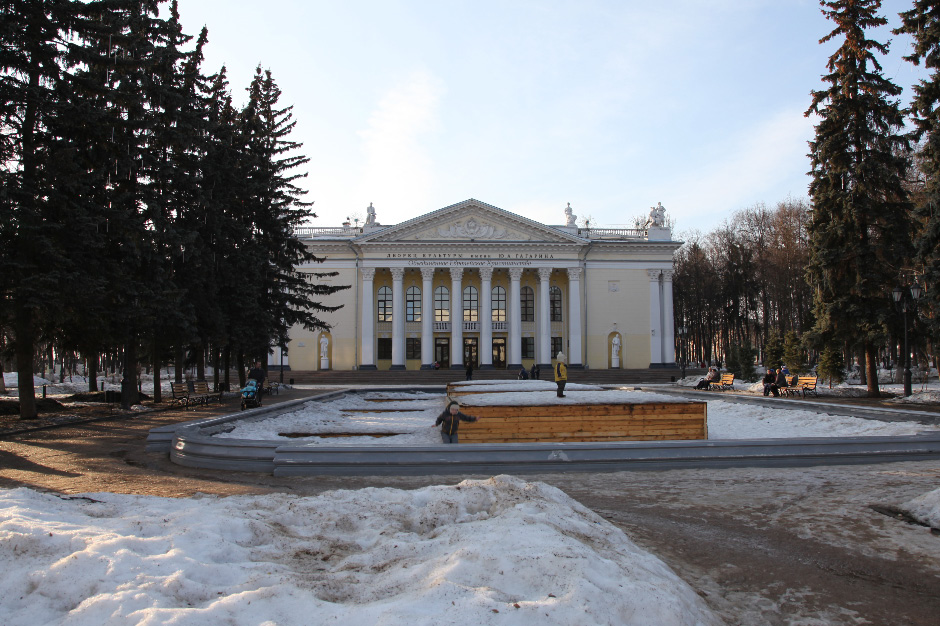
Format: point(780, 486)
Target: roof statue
point(657, 216)
point(570, 217)
point(370, 216)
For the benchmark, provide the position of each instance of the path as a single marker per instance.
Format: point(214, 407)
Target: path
point(762, 546)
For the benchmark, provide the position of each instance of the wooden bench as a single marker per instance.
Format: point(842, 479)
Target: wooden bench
point(202, 393)
point(179, 394)
point(803, 385)
point(725, 382)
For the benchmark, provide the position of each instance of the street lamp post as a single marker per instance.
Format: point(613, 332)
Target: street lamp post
point(906, 299)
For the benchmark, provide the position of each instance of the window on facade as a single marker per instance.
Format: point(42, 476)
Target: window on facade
point(499, 304)
point(528, 347)
point(412, 347)
point(384, 348)
point(385, 304)
point(556, 346)
point(554, 301)
point(471, 304)
point(527, 297)
point(442, 304)
point(413, 304)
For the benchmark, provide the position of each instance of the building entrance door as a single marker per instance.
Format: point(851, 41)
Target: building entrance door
point(499, 352)
point(470, 351)
point(442, 351)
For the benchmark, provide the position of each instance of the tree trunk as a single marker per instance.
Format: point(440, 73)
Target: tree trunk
point(240, 361)
point(227, 365)
point(157, 391)
point(92, 371)
point(180, 360)
point(200, 352)
point(215, 367)
point(871, 364)
point(129, 394)
point(24, 364)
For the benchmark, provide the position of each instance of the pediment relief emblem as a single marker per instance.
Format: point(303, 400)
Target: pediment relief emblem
point(471, 229)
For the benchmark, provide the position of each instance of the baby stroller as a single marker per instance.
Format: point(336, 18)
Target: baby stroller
point(251, 395)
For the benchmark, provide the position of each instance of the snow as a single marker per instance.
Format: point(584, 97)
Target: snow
point(925, 508)
point(485, 386)
point(494, 551)
point(414, 424)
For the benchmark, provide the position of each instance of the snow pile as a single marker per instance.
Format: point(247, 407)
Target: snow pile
point(521, 385)
point(414, 421)
point(918, 397)
point(925, 509)
point(732, 420)
point(410, 415)
point(571, 398)
point(500, 551)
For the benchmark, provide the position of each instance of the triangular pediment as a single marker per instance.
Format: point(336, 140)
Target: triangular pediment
point(471, 220)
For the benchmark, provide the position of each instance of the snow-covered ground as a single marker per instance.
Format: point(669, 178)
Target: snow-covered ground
point(497, 551)
point(416, 413)
point(925, 508)
point(79, 384)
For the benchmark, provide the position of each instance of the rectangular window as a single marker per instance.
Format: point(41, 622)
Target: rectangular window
point(556, 346)
point(412, 348)
point(528, 347)
point(384, 348)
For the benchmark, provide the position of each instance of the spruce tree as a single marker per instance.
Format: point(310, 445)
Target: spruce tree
point(794, 357)
point(831, 365)
point(923, 24)
point(773, 349)
point(860, 226)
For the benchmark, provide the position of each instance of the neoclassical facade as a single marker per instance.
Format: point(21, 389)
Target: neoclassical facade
point(474, 283)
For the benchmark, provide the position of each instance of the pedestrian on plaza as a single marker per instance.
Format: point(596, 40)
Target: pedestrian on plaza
point(561, 374)
point(469, 370)
point(536, 372)
point(450, 420)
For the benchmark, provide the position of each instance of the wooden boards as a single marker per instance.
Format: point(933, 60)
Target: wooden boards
point(584, 422)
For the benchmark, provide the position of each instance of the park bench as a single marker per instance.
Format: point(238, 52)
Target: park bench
point(201, 394)
point(803, 385)
point(725, 382)
point(179, 394)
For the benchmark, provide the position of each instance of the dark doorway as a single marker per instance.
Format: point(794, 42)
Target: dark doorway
point(499, 352)
point(442, 351)
point(470, 351)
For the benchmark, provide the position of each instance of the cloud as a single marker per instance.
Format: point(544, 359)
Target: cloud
point(767, 158)
point(398, 173)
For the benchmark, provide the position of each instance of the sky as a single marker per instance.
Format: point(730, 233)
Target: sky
point(612, 106)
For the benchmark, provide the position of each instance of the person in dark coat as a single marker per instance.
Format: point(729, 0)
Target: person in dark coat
point(781, 380)
point(449, 420)
point(469, 370)
point(770, 384)
point(523, 375)
point(257, 373)
point(535, 371)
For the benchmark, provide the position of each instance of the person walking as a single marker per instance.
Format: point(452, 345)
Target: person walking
point(561, 374)
point(535, 371)
point(469, 370)
point(257, 373)
point(450, 420)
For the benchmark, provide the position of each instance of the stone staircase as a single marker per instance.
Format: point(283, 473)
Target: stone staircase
point(442, 377)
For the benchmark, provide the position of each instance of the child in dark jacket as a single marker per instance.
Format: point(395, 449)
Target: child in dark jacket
point(450, 421)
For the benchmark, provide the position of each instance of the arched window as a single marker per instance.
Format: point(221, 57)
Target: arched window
point(413, 304)
point(499, 304)
point(554, 301)
point(527, 297)
point(385, 304)
point(442, 304)
point(471, 304)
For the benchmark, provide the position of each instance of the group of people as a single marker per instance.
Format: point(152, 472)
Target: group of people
point(449, 420)
point(774, 380)
point(533, 373)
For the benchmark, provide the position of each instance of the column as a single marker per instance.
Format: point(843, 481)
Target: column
point(574, 317)
point(545, 356)
point(398, 318)
point(486, 318)
point(656, 328)
point(368, 319)
point(669, 327)
point(515, 318)
point(456, 318)
point(427, 318)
